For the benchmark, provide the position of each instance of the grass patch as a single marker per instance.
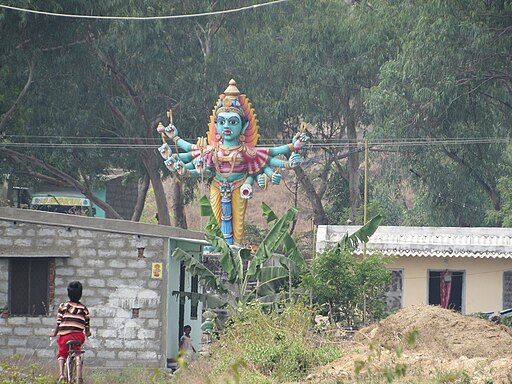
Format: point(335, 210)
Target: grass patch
point(15, 370)
point(266, 347)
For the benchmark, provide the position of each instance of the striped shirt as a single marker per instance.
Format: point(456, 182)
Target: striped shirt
point(72, 317)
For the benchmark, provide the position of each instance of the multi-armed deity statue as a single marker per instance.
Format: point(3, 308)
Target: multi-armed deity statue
point(231, 156)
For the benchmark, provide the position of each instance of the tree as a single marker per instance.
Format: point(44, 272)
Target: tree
point(450, 85)
point(503, 217)
point(316, 60)
point(352, 289)
point(91, 81)
point(34, 48)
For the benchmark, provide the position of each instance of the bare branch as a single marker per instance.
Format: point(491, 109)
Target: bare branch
point(136, 98)
point(22, 94)
point(64, 176)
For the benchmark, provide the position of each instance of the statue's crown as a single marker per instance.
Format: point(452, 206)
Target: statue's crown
point(229, 101)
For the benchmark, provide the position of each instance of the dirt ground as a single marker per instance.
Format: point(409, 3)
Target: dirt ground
point(447, 347)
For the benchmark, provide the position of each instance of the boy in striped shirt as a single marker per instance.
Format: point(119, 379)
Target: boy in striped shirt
point(72, 324)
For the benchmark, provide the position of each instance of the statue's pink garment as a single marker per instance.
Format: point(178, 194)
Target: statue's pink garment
point(250, 160)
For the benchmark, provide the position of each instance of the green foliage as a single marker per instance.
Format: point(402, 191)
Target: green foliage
point(241, 267)
point(362, 235)
point(131, 375)
point(254, 234)
point(397, 70)
point(276, 345)
point(504, 215)
point(17, 370)
point(452, 376)
point(450, 94)
point(350, 289)
point(337, 195)
point(506, 321)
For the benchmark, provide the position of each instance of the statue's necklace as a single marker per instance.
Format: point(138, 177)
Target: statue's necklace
point(228, 150)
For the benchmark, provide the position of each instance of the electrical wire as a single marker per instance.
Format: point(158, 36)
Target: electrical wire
point(120, 143)
point(211, 13)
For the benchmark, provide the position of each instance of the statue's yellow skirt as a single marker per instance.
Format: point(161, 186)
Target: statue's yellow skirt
point(238, 205)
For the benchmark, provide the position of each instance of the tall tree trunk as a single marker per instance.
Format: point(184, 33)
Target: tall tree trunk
point(320, 217)
point(158, 187)
point(142, 191)
point(178, 207)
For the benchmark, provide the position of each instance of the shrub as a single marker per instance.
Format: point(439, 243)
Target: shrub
point(278, 345)
point(351, 289)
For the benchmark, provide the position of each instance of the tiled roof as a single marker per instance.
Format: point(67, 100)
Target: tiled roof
point(428, 241)
point(434, 253)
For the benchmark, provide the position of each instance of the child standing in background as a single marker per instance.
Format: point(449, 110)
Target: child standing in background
point(186, 346)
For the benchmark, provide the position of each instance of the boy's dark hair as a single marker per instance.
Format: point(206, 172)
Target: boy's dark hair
point(75, 291)
point(187, 327)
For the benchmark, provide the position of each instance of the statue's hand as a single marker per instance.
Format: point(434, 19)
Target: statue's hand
point(262, 181)
point(165, 151)
point(180, 167)
point(276, 178)
point(171, 131)
point(246, 191)
point(299, 139)
point(199, 164)
point(170, 163)
point(294, 160)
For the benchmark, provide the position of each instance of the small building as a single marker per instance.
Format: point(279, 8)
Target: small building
point(128, 276)
point(466, 269)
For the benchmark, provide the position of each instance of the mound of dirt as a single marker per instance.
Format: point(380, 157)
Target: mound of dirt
point(442, 332)
point(446, 343)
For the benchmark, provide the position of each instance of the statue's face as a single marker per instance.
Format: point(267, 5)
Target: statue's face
point(229, 125)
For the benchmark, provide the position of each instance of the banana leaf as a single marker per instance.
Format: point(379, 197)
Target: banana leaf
point(273, 239)
point(291, 249)
point(271, 278)
point(196, 268)
point(212, 227)
point(268, 213)
point(362, 235)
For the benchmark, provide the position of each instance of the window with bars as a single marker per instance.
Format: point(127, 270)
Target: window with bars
point(29, 286)
point(193, 303)
point(394, 291)
point(507, 289)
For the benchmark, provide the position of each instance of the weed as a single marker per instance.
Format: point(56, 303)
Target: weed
point(365, 369)
point(454, 376)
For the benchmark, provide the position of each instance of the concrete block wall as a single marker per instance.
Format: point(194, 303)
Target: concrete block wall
point(116, 280)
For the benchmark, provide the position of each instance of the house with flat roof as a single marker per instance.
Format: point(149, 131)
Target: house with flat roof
point(466, 269)
point(128, 276)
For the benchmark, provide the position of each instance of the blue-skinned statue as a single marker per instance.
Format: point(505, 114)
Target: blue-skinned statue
point(231, 156)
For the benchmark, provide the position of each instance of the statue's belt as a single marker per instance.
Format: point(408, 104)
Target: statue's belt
point(233, 184)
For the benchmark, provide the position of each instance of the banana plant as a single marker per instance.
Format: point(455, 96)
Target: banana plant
point(362, 235)
point(247, 275)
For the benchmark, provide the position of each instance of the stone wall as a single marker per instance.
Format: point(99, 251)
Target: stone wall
point(116, 279)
